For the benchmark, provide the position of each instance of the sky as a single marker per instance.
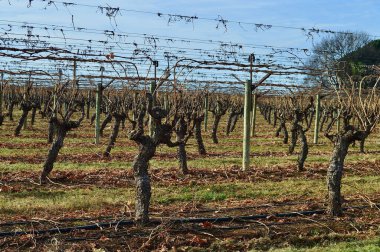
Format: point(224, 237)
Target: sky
point(339, 15)
point(336, 15)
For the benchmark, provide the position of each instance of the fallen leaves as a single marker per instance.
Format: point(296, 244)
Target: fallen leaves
point(197, 240)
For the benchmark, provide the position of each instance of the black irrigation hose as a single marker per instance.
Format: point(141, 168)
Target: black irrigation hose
point(136, 234)
point(174, 221)
point(19, 223)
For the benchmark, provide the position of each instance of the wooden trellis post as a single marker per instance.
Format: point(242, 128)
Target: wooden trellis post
point(99, 94)
point(247, 124)
point(317, 118)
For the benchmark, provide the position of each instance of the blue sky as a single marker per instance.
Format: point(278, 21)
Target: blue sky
point(356, 15)
point(338, 15)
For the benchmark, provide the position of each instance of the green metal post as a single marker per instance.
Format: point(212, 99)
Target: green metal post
point(317, 117)
point(247, 124)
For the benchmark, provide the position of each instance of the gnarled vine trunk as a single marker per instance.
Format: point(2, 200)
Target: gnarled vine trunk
point(32, 120)
point(180, 131)
point(51, 130)
point(10, 110)
point(104, 124)
point(114, 134)
point(334, 176)
point(198, 135)
point(53, 154)
point(341, 141)
point(25, 111)
point(140, 165)
point(304, 149)
point(215, 129)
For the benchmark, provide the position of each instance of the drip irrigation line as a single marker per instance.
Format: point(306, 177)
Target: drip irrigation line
point(122, 223)
point(7, 224)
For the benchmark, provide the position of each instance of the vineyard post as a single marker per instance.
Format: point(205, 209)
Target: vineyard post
point(206, 111)
point(98, 104)
point(317, 117)
point(153, 86)
point(247, 124)
point(253, 119)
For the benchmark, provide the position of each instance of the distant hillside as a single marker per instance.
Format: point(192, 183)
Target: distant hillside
point(366, 55)
point(359, 62)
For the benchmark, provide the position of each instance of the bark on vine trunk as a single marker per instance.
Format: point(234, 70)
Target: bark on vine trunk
point(104, 124)
point(24, 115)
point(234, 121)
point(294, 129)
point(32, 120)
point(51, 130)
point(229, 122)
point(52, 155)
point(198, 135)
point(182, 158)
point(341, 141)
point(334, 176)
point(142, 180)
point(180, 131)
point(293, 140)
point(113, 136)
point(361, 146)
point(215, 129)
point(286, 135)
point(92, 119)
point(88, 105)
point(10, 110)
point(304, 149)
